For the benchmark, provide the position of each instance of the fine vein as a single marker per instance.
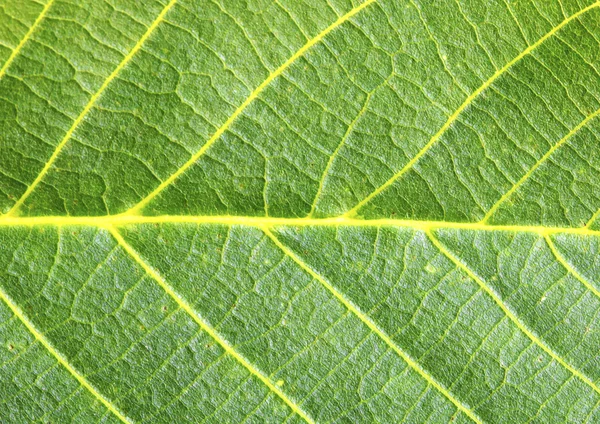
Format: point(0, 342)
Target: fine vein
point(27, 36)
point(373, 327)
point(339, 147)
point(531, 170)
point(462, 107)
point(532, 336)
point(139, 206)
point(61, 360)
point(205, 326)
point(88, 107)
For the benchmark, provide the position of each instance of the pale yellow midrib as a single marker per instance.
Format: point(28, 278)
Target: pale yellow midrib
point(58, 356)
point(87, 108)
point(374, 328)
point(462, 107)
point(205, 326)
point(24, 40)
point(512, 316)
point(253, 95)
point(257, 221)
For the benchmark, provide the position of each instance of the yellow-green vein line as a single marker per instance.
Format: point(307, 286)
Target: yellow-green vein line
point(61, 360)
point(19, 46)
point(462, 107)
point(205, 326)
point(254, 221)
point(560, 258)
point(257, 221)
point(88, 107)
point(253, 95)
point(532, 336)
point(531, 170)
point(372, 326)
point(593, 219)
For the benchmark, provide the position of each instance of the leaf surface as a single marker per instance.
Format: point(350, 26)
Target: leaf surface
point(289, 211)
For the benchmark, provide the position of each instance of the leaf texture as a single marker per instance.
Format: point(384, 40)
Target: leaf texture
point(299, 211)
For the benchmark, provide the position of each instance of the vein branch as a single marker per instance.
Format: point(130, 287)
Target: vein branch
point(204, 325)
point(462, 107)
point(88, 107)
point(511, 315)
point(27, 36)
point(253, 95)
point(59, 357)
point(531, 170)
point(593, 219)
point(373, 327)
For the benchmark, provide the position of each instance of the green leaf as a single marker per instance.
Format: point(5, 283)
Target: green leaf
point(299, 211)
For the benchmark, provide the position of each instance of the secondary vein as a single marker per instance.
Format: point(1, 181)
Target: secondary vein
point(142, 203)
point(27, 36)
point(592, 219)
point(511, 315)
point(373, 327)
point(560, 258)
point(204, 325)
point(88, 107)
point(531, 170)
point(462, 107)
point(61, 360)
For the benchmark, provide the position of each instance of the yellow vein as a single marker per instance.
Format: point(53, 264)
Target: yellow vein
point(534, 338)
point(253, 221)
point(88, 107)
point(592, 219)
point(139, 206)
point(61, 360)
point(204, 325)
point(373, 327)
point(463, 106)
point(560, 258)
point(27, 36)
point(531, 170)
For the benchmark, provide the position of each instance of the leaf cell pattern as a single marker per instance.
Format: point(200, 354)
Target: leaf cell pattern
point(294, 211)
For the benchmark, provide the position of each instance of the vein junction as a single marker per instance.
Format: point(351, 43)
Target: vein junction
point(88, 107)
point(254, 95)
point(468, 101)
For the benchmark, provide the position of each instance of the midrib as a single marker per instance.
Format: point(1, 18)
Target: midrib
point(257, 221)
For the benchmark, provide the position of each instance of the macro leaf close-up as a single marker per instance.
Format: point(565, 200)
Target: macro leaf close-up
point(299, 211)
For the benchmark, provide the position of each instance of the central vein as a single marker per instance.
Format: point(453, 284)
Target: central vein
point(257, 221)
